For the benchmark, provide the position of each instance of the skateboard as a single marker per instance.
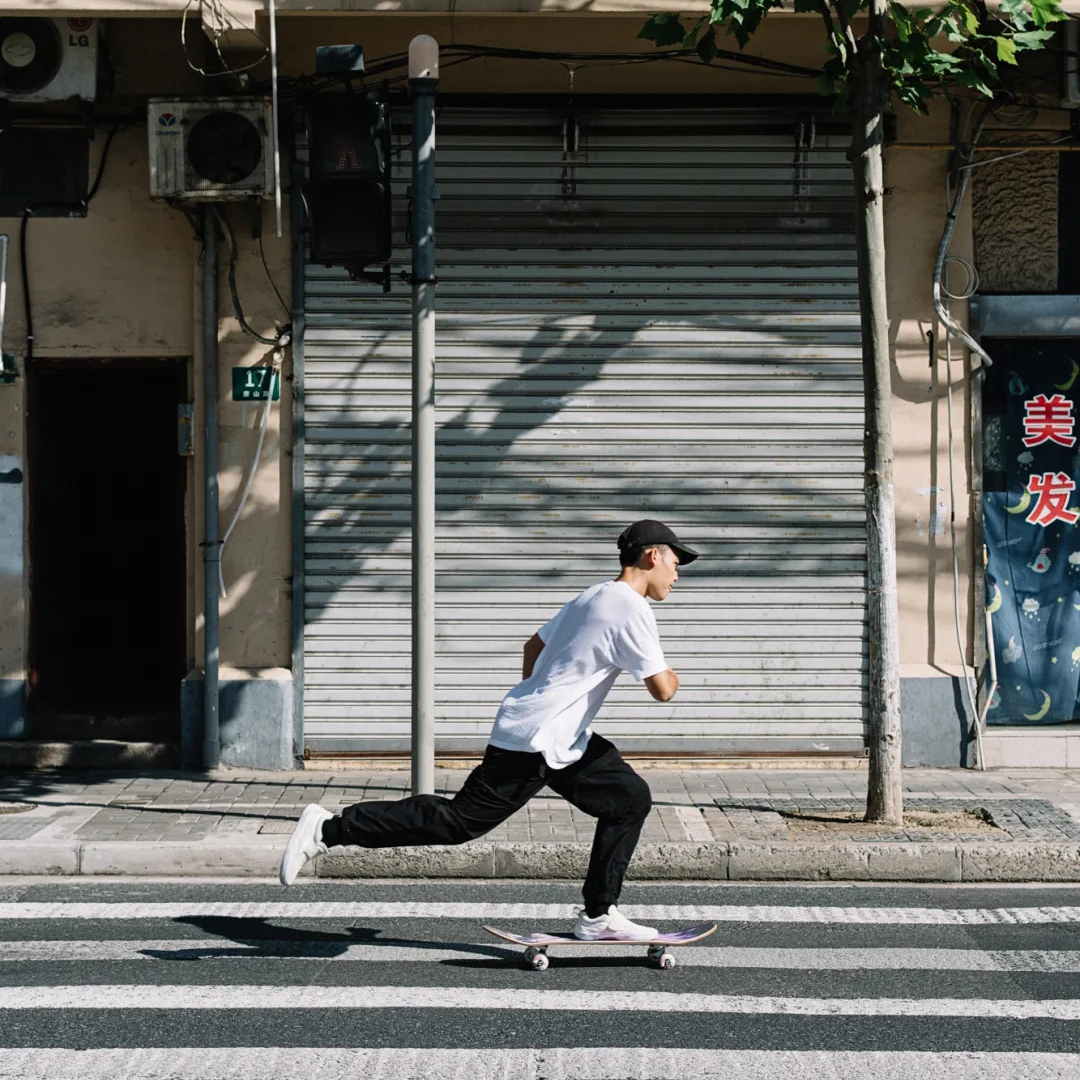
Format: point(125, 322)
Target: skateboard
point(536, 945)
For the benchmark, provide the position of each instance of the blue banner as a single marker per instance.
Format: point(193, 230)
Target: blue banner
point(1032, 537)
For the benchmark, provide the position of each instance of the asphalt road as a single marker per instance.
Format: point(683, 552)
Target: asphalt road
point(192, 981)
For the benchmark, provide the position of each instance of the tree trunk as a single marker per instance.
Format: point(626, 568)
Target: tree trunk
point(885, 800)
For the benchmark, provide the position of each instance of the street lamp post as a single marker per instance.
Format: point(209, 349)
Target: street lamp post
point(423, 78)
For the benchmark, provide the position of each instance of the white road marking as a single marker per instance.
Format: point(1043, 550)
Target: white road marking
point(180, 949)
point(546, 913)
point(594, 1063)
point(456, 997)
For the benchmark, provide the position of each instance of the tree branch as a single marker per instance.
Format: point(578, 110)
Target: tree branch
point(845, 26)
point(830, 27)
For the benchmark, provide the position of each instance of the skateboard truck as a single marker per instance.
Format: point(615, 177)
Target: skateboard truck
point(537, 957)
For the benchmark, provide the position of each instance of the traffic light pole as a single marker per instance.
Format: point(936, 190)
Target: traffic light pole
point(423, 78)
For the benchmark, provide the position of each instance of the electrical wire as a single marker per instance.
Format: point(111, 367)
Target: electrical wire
point(971, 693)
point(251, 472)
point(462, 52)
point(1012, 154)
point(746, 59)
point(273, 284)
point(217, 47)
point(971, 282)
point(278, 342)
point(1015, 114)
point(101, 164)
point(227, 228)
point(953, 205)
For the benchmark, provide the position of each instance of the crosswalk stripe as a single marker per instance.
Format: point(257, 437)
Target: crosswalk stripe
point(419, 909)
point(853, 959)
point(594, 1063)
point(457, 997)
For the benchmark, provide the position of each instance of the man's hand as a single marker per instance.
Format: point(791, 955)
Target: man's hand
point(663, 686)
point(533, 648)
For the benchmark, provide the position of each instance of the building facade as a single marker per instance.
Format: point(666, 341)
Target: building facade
point(647, 306)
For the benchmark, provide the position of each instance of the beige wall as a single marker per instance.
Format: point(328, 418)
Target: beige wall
point(126, 282)
point(914, 220)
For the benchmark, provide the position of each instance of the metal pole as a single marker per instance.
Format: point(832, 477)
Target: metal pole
point(211, 543)
point(275, 119)
point(423, 77)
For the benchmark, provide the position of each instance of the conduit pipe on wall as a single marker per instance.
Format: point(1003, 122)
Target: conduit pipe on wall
point(954, 204)
point(211, 544)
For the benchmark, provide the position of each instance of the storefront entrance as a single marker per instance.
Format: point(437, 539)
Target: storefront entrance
point(107, 528)
point(639, 315)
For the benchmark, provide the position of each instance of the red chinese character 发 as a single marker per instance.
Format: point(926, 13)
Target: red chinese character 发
point(1049, 420)
point(1053, 490)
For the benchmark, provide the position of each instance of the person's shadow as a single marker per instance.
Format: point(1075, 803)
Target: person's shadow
point(259, 938)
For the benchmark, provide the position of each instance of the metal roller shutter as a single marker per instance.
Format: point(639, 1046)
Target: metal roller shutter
point(637, 315)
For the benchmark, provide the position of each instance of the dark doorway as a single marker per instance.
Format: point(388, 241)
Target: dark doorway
point(106, 549)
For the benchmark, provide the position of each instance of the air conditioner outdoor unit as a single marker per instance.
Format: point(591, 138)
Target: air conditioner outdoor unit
point(48, 59)
point(210, 149)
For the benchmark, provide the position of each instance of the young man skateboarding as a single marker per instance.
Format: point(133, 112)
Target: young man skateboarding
point(542, 737)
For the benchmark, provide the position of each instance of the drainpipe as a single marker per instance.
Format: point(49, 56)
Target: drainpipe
point(211, 543)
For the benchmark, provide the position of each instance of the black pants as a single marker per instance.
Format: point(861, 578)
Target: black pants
point(600, 783)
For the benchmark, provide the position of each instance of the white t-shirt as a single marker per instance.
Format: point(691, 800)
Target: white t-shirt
point(608, 629)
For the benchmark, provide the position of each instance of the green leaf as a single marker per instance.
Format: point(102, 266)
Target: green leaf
point(663, 29)
point(1032, 39)
point(901, 20)
point(937, 25)
point(1017, 13)
point(706, 47)
point(969, 77)
point(1044, 12)
point(1006, 50)
point(914, 95)
point(968, 19)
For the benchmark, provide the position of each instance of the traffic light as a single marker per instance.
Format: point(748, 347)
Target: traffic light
point(347, 194)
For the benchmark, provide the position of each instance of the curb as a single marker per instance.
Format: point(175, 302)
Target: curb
point(1001, 861)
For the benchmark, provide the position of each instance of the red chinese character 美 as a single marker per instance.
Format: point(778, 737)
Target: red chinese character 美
point(1053, 491)
point(1049, 420)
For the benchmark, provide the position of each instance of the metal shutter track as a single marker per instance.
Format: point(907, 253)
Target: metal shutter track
point(661, 322)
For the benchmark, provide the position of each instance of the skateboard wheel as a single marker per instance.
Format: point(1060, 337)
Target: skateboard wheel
point(666, 961)
point(655, 952)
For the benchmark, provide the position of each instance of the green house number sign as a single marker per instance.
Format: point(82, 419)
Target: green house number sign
point(253, 384)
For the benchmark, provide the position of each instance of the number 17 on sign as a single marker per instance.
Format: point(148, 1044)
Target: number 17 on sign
point(255, 384)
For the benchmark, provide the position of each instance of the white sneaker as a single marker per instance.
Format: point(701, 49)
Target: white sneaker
point(305, 843)
point(612, 926)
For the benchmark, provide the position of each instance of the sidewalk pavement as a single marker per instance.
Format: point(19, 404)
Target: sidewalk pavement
point(707, 823)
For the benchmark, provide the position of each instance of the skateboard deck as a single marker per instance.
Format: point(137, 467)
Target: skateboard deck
point(537, 944)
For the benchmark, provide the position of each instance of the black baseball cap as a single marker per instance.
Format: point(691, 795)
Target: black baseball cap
point(647, 532)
